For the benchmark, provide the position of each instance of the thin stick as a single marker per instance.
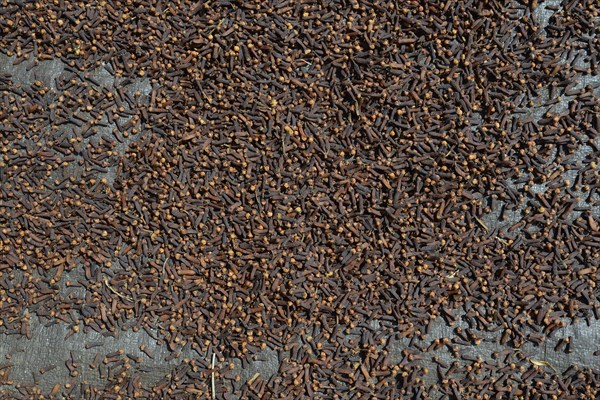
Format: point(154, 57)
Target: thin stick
point(213, 377)
point(115, 292)
point(163, 268)
point(502, 241)
point(480, 222)
point(542, 363)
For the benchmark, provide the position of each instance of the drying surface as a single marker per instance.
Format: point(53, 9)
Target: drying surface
point(327, 205)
